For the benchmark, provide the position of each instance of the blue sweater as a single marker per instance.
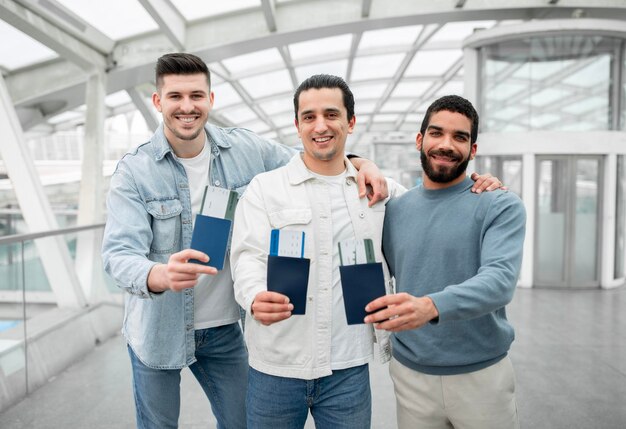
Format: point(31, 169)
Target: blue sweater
point(464, 251)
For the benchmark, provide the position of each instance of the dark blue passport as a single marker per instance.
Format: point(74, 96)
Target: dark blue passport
point(289, 276)
point(210, 235)
point(361, 284)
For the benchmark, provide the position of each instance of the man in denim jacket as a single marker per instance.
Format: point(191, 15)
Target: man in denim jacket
point(177, 313)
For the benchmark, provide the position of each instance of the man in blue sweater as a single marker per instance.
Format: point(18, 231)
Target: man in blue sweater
point(456, 257)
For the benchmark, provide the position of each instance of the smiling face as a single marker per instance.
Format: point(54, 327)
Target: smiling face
point(323, 127)
point(446, 149)
point(185, 102)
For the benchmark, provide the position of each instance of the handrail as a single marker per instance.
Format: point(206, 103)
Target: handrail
point(16, 238)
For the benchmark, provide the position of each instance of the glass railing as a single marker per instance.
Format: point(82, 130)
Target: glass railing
point(26, 292)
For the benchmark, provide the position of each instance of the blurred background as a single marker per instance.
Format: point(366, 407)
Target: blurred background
point(548, 78)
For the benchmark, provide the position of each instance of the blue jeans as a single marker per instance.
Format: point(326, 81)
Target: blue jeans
point(221, 369)
point(340, 401)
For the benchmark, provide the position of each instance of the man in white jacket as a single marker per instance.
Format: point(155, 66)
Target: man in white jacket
point(314, 361)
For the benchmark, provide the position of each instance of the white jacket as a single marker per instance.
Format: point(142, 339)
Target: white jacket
point(291, 197)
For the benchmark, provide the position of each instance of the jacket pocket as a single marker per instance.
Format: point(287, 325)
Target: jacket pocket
point(281, 218)
point(296, 219)
point(166, 225)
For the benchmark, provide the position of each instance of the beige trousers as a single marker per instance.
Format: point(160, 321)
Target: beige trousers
point(482, 399)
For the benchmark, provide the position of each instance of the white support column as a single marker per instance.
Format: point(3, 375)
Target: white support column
point(91, 199)
point(607, 240)
point(35, 206)
point(528, 197)
point(471, 76)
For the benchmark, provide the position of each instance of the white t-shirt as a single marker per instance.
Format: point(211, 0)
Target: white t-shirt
point(351, 345)
point(214, 299)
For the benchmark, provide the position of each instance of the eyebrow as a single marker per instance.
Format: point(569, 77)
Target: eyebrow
point(456, 132)
point(194, 92)
point(327, 110)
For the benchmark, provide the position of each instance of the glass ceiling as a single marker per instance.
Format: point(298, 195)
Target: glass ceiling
point(394, 72)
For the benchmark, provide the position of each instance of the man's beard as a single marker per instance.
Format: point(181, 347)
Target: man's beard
point(186, 137)
point(443, 174)
point(180, 135)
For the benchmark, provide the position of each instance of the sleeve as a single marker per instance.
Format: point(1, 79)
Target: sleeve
point(249, 247)
point(275, 154)
point(501, 248)
point(395, 189)
point(127, 236)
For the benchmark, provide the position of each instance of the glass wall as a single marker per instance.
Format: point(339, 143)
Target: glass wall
point(568, 207)
point(507, 168)
point(400, 161)
point(26, 293)
point(558, 83)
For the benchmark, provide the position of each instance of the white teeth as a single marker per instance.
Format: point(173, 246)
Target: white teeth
point(187, 119)
point(321, 139)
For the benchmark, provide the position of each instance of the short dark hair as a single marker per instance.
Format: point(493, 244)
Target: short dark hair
point(180, 63)
point(456, 104)
point(320, 81)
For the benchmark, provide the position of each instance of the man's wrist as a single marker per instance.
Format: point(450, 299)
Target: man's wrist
point(154, 281)
point(434, 312)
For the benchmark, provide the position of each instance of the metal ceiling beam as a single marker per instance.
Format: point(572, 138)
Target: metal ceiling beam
point(248, 100)
point(432, 90)
point(270, 14)
point(52, 36)
point(354, 46)
point(366, 7)
point(171, 22)
point(284, 52)
point(64, 18)
point(427, 32)
point(216, 39)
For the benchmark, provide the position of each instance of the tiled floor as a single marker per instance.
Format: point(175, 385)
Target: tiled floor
point(569, 357)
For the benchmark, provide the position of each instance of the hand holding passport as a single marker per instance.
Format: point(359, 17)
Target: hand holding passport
point(362, 278)
point(213, 225)
point(287, 269)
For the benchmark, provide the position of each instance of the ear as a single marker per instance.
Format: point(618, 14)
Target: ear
point(418, 141)
point(351, 124)
point(156, 101)
point(297, 124)
point(473, 149)
point(211, 98)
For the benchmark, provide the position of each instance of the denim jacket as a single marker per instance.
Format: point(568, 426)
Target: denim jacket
point(149, 218)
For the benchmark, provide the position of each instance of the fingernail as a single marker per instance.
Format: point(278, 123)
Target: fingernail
point(290, 307)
